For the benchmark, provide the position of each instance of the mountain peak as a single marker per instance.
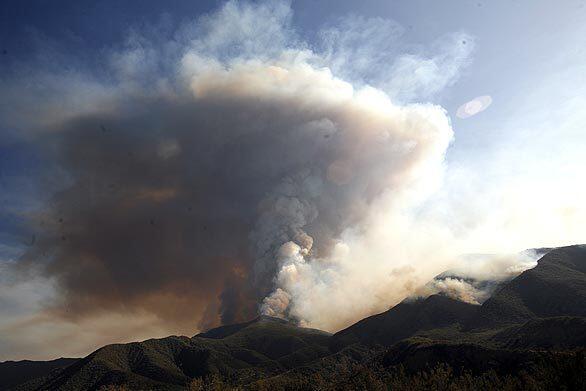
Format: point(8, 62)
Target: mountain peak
point(227, 330)
point(267, 318)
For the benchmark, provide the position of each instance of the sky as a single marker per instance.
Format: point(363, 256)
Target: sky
point(169, 167)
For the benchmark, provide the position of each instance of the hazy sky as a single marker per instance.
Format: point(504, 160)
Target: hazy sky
point(510, 177)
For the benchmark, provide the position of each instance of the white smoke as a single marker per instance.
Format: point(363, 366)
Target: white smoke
point(474, 278)
point(458, 289)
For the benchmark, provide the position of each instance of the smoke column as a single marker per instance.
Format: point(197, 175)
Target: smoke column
point(228, 167)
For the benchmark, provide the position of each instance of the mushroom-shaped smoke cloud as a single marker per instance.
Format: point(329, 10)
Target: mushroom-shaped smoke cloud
point(227, 161)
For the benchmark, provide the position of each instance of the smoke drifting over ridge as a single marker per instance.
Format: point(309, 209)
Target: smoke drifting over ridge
point(474, 278)
point(228, 164)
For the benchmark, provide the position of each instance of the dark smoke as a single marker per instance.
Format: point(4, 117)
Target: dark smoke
point(161, 200)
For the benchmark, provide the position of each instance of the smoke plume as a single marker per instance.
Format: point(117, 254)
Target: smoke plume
point(226, 167)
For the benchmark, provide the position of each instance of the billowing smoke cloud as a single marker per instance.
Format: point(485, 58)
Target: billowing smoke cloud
point(226, 168)
point(260, 167)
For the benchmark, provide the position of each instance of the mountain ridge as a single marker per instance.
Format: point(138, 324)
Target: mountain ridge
point(509, 330)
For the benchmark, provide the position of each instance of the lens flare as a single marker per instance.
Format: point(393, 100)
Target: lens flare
point(474, 106)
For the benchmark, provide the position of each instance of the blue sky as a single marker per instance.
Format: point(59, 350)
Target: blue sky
point(511, 177)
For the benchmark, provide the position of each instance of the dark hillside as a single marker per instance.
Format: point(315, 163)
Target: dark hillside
point(13, 373)
point(243, 352)
point(405, 320)
point(555, 287)
point(559, 333)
